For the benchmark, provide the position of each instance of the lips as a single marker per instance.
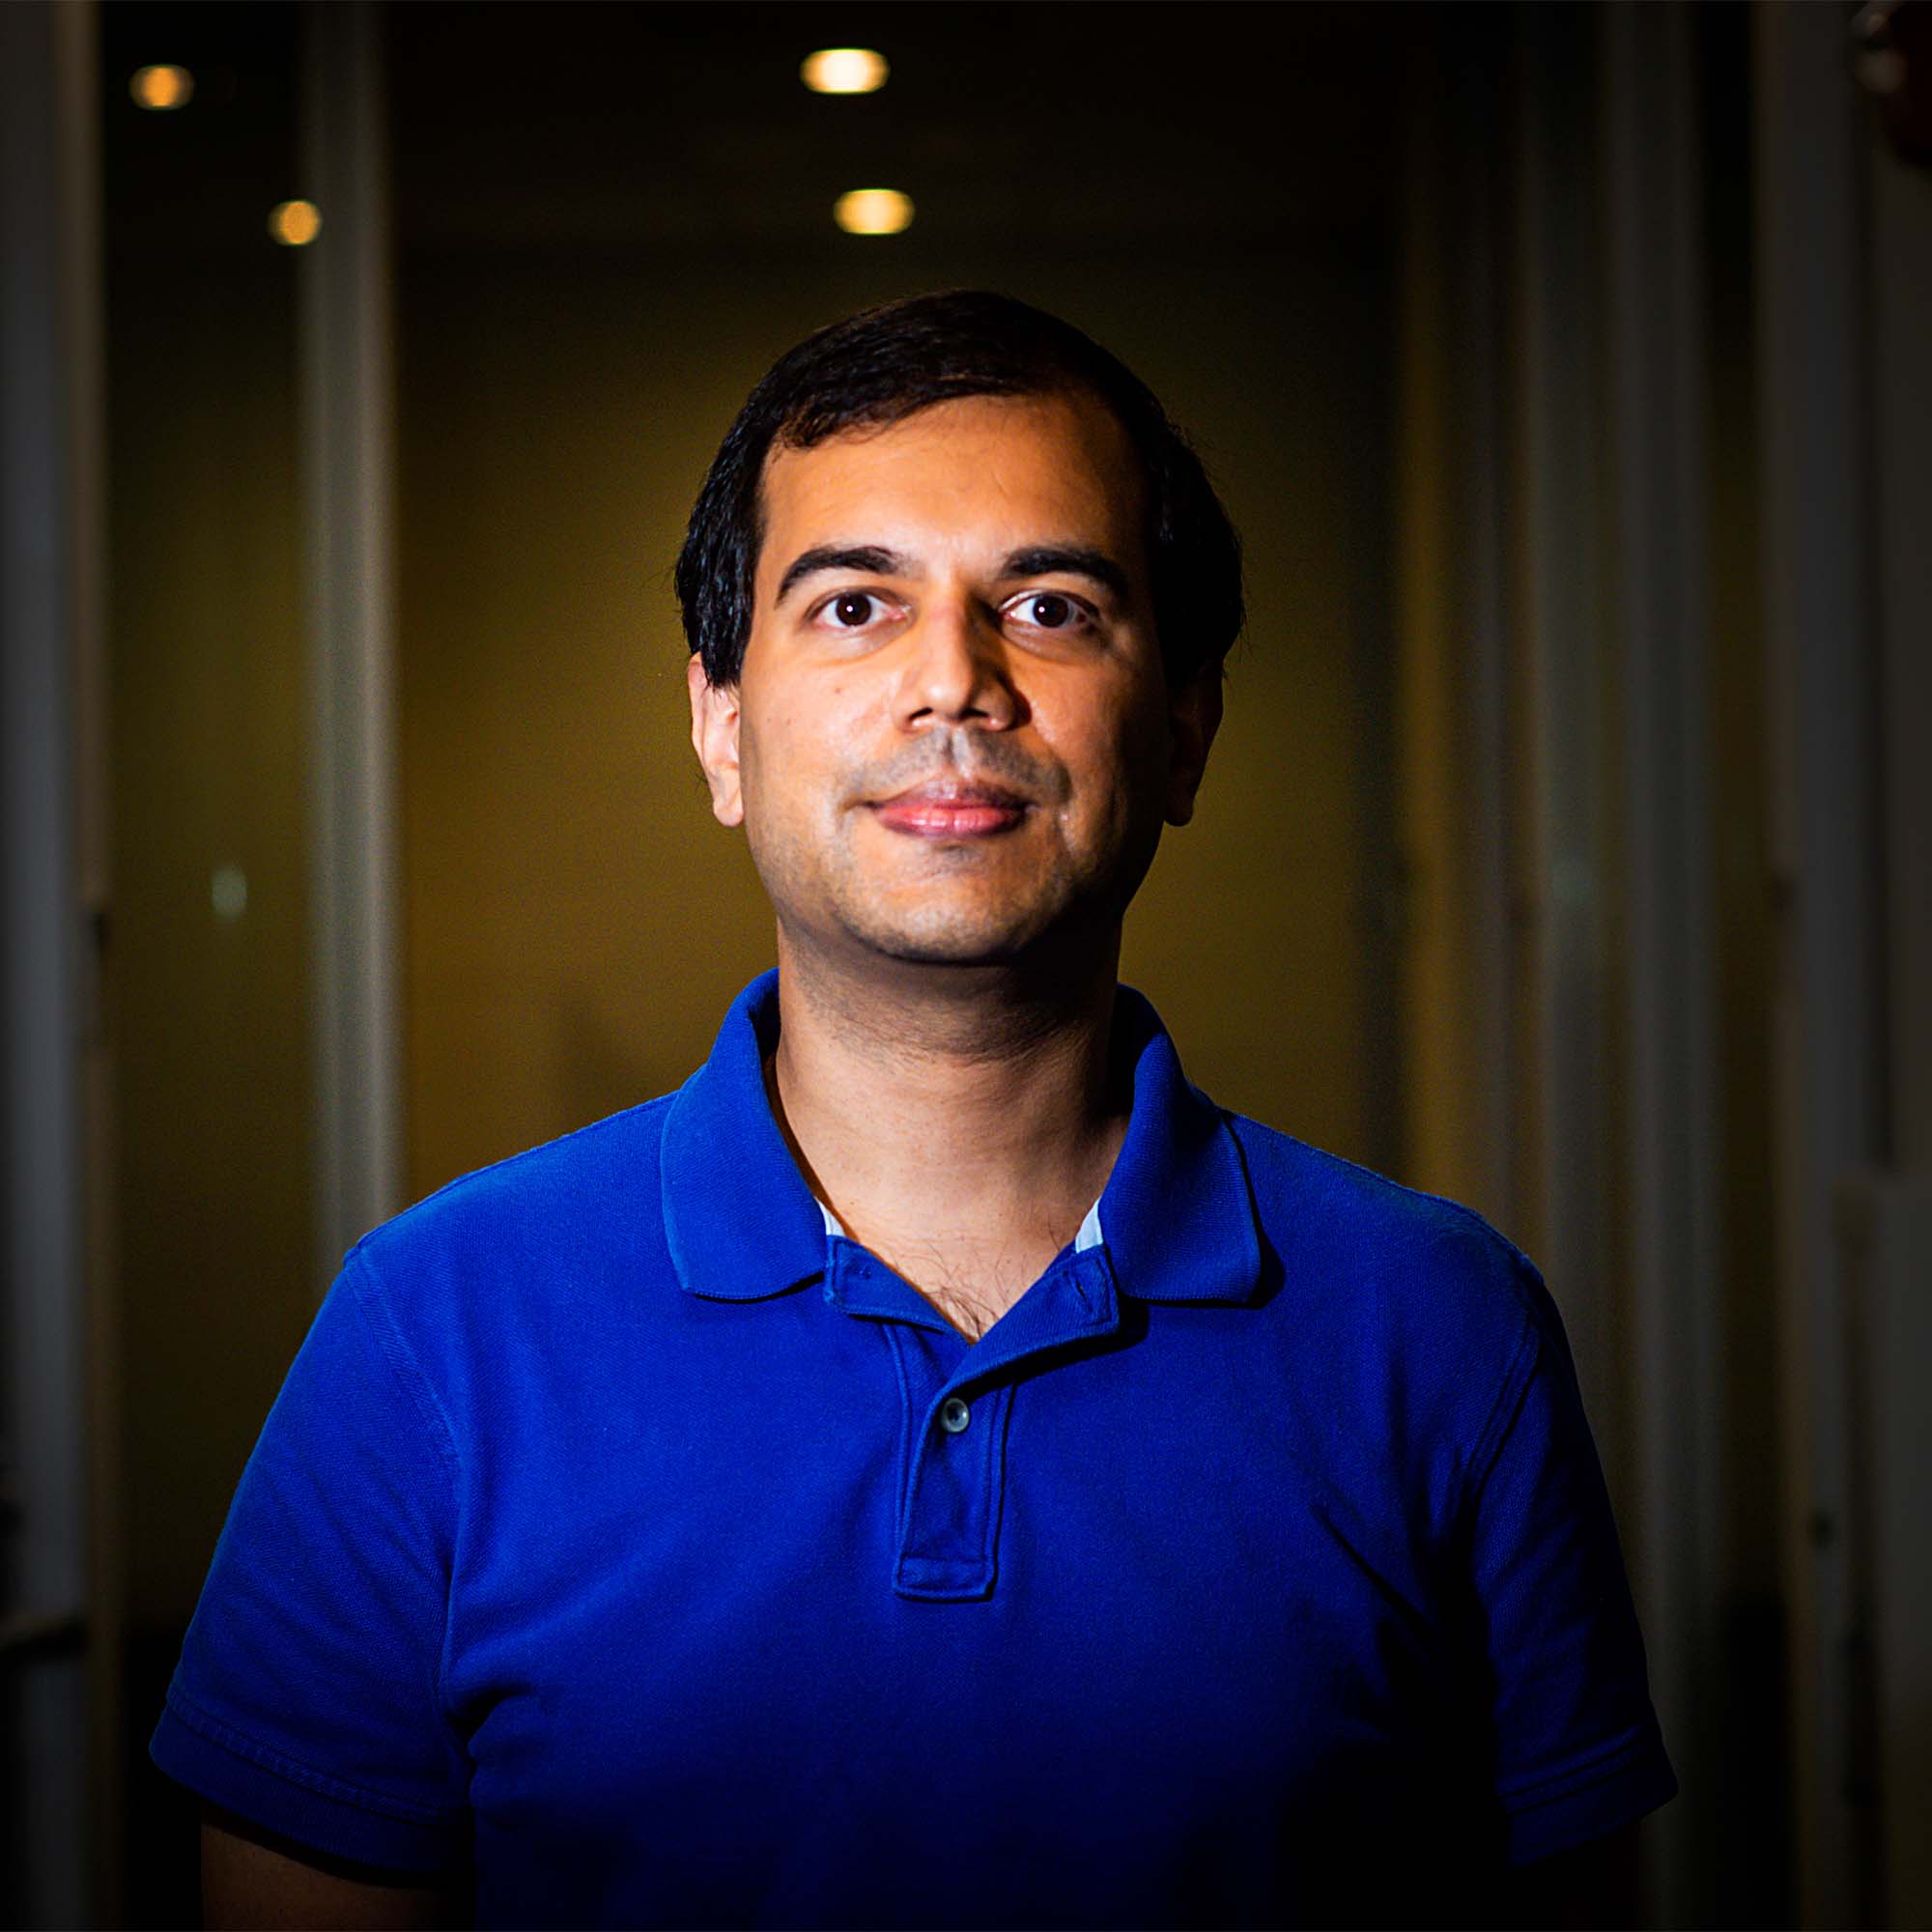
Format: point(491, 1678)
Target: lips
point(950, 809)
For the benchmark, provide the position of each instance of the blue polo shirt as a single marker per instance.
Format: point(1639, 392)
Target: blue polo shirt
point(625, 1529)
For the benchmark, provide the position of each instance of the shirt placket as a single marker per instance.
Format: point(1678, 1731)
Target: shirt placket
point(956, 1401)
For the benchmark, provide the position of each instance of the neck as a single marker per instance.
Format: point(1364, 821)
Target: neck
point(948, 1115)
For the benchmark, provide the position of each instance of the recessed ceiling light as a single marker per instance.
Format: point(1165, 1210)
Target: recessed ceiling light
point(162, 87)
point(295, 224)
point(845, 71)
point(873, 210)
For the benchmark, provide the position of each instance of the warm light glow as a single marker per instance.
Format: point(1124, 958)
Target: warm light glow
point(295, 224)
point(845, 71)
point(162, 87)
point(873, 210)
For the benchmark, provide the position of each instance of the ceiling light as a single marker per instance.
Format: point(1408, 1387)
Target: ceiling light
point(162, 87)
point(845, 71)
point(873, 210)
point(295, 224)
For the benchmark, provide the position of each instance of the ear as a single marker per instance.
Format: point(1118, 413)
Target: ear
point(714, 735)
point(1194, 716)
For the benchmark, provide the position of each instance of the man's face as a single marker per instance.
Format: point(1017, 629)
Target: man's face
point(953, 734)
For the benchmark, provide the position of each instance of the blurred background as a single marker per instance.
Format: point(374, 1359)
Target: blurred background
point(1569, 372)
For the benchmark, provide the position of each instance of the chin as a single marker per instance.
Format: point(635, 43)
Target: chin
point(939, 928)
point(922, 944)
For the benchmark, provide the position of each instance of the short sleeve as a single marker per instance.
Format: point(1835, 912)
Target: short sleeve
point(307, 1693)
point(1577, 1750)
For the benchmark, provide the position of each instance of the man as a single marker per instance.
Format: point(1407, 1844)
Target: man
point(935, 1468)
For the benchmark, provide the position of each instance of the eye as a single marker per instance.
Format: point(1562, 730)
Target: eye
point(852, 610)
point(1049, 610)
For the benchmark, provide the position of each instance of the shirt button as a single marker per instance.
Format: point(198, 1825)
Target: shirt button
point(954, 1415)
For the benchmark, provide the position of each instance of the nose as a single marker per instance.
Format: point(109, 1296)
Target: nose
point(956, 670)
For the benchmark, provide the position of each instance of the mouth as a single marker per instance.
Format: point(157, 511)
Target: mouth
point(951, 808)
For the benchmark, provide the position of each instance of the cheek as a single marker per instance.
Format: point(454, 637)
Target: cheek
point(793, 751)
point(1117, 755)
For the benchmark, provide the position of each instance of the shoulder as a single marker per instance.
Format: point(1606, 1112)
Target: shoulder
point(581, 1205)
point(1413, 1285)
point(1338, 1199)
point(1321, 1197)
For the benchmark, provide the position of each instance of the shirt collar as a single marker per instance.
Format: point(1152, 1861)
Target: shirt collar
point(742, 1224)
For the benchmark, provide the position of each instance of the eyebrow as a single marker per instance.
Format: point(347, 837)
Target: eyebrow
point(1068, 559)
point(1038, 560)
point(868, 558)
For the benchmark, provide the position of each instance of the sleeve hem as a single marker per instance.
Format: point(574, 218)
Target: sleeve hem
point(279, 1793)
point(1614, 1789)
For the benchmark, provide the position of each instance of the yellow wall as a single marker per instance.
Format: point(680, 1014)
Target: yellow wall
point(577, 923)
point(208, 1015)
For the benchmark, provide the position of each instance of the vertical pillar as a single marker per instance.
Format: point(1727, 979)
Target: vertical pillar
point(1816, 508)
point(1563, 580)
point(1454, 972)
point(348, 511)
point(1660, 945)
point(58, 1659)
point(1886, 1218)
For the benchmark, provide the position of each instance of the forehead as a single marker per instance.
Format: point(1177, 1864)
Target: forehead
point(1006, 472)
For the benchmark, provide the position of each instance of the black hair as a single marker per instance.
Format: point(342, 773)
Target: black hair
point(880, 366)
